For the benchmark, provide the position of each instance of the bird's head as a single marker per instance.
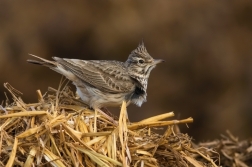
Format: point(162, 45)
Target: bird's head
point(140, 63)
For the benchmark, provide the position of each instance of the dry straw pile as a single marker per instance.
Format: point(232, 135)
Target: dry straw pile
point(232, 152)
point(60, 131)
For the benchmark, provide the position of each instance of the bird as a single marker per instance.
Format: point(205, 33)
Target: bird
point(104, 83)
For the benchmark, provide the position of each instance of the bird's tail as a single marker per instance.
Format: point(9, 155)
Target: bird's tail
point(42, 61)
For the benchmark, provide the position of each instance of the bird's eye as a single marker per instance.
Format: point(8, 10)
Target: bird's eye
point(141, 61)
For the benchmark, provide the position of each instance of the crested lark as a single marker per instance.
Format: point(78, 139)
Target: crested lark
point(102, 83)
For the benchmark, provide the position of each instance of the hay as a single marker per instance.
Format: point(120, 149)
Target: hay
point(232, 152)
point(61, 131)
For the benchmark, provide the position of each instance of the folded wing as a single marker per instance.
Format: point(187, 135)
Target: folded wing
point(109, 76)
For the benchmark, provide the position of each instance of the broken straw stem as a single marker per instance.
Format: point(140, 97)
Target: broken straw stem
point(158, 117)
point(158, 123)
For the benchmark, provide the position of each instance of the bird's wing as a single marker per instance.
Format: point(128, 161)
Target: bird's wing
point(109, 76)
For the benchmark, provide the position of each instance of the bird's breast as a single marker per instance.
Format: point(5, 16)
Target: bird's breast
point(138, 91)
point(139, 96)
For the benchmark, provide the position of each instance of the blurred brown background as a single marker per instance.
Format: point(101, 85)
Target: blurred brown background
point(207, 46)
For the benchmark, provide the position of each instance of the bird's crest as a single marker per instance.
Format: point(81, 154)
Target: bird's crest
point(140, 50)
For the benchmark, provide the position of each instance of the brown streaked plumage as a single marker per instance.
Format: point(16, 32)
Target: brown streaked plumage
point(102, 83)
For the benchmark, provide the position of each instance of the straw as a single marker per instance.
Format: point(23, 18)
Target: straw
point(60, 130)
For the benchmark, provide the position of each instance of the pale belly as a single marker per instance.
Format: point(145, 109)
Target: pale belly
point(97, 99)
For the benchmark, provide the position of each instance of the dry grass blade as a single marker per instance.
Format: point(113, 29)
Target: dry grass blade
point(30, 159)
point(30, 132)
point(158, 117)
point(14, 92)
point(123, 135)
point(53, 159)
point(158, 123)
point(60, 131)
point(13, 153)
point(96, 134)
point(24, 114)
point(101, 159)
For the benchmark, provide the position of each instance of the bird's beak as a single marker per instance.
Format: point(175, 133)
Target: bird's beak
point(157, 61)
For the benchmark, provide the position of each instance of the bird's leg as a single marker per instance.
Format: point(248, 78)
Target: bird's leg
point(107, 116)
point(106, 111)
